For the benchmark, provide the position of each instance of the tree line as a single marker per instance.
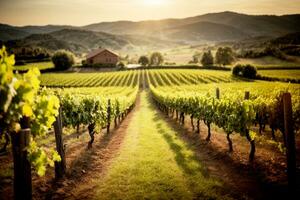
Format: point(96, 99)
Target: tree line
point(224, 56)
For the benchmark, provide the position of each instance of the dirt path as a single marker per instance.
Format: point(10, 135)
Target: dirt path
point(91, 164)
point(150, 156)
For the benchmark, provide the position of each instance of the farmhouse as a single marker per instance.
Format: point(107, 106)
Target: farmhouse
point(102, 56)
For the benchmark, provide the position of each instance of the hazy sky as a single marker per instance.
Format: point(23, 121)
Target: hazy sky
point(82, 12)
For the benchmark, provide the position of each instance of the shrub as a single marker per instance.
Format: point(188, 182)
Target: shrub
point(249, 71)
point(237, 70)
point(121, 65)
point(144, 61)
point(246, 71)
point(63, 60)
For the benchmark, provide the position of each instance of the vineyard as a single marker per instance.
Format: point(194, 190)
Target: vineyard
point(127, 78)
point(235, 117)
point(232, 111)
point(284, 74)
point(90, 79)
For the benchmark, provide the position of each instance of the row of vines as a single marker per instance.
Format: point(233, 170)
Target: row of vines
point(231, 111)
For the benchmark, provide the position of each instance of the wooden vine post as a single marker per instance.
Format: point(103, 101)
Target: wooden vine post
point(218, 93)
point(22, 166)
point(108, 115)
point(290, 140)
point(247, 95)
point(60, 167)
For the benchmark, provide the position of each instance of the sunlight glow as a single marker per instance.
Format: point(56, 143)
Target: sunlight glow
point(155, 2)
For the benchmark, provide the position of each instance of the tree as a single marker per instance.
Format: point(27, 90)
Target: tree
point(207, 59)
point(196, 57)
point(224, 56)
point(63, 60)
point(144, 61)
point(156, 59)
point(238, 70)
point(247, 71)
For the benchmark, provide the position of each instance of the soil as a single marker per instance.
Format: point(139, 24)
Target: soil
point(265, 178)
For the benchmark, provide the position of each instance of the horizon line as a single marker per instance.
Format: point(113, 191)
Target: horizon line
point(147, 20)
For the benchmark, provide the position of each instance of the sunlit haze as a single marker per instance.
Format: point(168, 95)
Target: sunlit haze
point(82, 12)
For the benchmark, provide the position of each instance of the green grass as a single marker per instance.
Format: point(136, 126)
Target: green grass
point(268, 61)
point(154, 163)
point(183, 54)
point(292, 74)
point(39, 65)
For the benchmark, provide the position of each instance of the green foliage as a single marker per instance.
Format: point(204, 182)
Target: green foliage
point(196, 58)
point(30, 54)
point(121, 65)
point(39, 65)
point(63, 60)
point(231, 112)
point(246, 71)
point(39, 159)
point(156, 59)
point(20, 98)
point(224, 56)
point(144, 61)
point(281, 74)
point(237, 70)
point(249, 71)
point(119, 78)
point(87, 108)
point(207, 59)
point(270, 50)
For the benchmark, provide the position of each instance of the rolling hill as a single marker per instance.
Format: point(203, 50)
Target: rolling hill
point(153, 34)
point(45, 41)
point(253, 25)
point(8, 32)
point(81, 41)
point(205, 31)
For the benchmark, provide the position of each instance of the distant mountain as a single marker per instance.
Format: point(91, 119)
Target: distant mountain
point(156, 34)
point(90, 39)
point(9, 32)
point(81, 41)
point(135, 28)
point(205, 31)
point(45, 41)
point(252, 25)
point(45, 29)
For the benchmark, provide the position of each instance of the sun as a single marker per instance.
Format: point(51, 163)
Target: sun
point(155, 2)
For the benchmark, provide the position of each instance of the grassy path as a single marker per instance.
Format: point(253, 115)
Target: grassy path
point(153, 163)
